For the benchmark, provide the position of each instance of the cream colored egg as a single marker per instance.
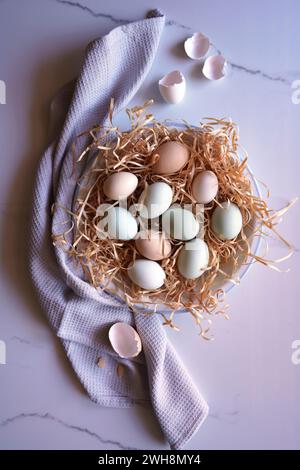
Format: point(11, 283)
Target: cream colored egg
point(226, 221)
point(120, 185)
point(147, 274)
point(153, 245)
point(205, 187)
point(173, 156)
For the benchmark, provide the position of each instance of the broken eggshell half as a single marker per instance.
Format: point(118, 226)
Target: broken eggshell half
point(197, 46)
point(172, 87)
point(215, 67)
point(125, 340)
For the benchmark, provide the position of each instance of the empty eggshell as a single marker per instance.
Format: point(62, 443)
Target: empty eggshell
point(226, 221)
point(156, 199)
point(215, 67)
point(153, 245)
point(205, 187)
point(147, 274)
point(197, 46)
point(180, 223)
point(125, 340)
point(172, 87)
point(120, 185)
point(173, 156)
point(193, 259)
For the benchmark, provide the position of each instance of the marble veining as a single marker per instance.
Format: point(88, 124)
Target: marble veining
point(50, 417)
point(170, 22)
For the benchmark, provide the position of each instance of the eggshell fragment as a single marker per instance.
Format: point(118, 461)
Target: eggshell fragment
point(193, 259)
point(153, 245)
point(156, 199)
point(147, 274)
point(120, 185)
point(205, 187)
point(215, 67)
point(197, 46)
point(173, 156)
point(121, 225)
point(125, 340)
point(226, 221)
point(172, 87)
point(180, 223)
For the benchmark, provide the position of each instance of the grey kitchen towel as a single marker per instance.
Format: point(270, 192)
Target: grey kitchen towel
point(114, 66)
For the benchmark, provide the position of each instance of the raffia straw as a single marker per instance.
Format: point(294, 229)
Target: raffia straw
point(213, 145)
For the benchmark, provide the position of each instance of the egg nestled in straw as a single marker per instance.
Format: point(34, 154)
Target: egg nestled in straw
point(153, 245)
point(147, 274)
point(172, 157)
point(180, 223)
point(226, 221)
point(120, 185)
point(205, 187)
point(193, 259)
point(118, 224)
point(155, 200)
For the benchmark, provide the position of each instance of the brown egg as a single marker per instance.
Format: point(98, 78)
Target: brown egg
point(173, 156)
point(155, 246)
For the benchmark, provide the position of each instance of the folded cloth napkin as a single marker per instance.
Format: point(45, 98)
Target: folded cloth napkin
point(114, 66)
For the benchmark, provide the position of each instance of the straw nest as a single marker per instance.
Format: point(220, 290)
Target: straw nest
point(213, 145)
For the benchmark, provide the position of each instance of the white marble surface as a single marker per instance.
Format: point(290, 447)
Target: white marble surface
point(246, 374)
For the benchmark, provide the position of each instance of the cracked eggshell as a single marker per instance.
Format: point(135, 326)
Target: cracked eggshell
point(124, 340)
point(197, 46)
point(172, 87)
point(215, 67)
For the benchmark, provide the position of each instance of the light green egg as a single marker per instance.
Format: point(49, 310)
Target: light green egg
point(193, 259)
point(226, 221)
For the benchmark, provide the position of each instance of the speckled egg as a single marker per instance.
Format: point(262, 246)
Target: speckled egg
point(226, 221)
point(173, 156)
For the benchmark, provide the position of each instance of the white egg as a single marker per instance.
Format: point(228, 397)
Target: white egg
point(156, 199)
point(180, 223)
point(226, 221)
point(172, 87)
point(119, 224)
point(147, 274)
point(193, 259)
point(125, 340)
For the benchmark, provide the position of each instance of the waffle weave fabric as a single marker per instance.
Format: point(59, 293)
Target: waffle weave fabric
point(114, 66)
